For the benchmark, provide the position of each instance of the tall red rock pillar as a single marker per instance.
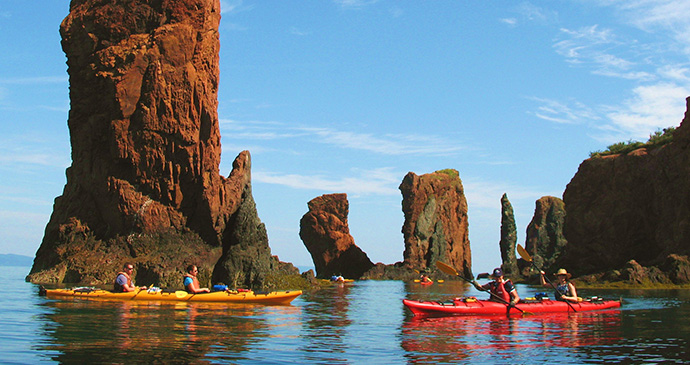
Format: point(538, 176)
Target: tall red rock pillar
point(145, 137)
point(436, 223)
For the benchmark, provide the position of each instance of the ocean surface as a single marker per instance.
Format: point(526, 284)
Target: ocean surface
point(362, 322)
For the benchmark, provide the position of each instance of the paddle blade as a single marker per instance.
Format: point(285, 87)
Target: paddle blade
point(446, 268)
point(523, 253)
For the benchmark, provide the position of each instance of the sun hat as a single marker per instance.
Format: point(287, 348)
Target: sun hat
point(563, 272)
point(497, 272)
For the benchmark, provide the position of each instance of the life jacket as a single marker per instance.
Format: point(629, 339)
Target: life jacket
point(562, 290)
point(194, 280)
point(117, 288)
point(500, 291)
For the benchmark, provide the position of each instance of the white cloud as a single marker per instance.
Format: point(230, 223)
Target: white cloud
point(34, 80)
point(389, 144)
point(651, 108)
point(354, 4)
point(381, 181)
point(564, 113)
point(509, 21)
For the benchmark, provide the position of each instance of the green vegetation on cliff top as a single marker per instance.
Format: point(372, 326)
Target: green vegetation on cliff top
point(657, 139)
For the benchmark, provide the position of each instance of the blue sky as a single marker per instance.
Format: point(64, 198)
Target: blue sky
point(348, 96)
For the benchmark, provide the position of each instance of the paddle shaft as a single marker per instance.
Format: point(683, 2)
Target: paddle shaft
point(450, 270)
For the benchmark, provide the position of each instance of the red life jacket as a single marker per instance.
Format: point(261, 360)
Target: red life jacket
point(500, 291)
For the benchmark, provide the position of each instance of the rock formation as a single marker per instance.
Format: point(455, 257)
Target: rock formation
point(508, 237)
point(545, 240)
point(144, 184)
point(633, 206)
point(436, 223)
point(326, 234)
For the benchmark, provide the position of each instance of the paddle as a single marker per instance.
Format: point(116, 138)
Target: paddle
point(451, 271)
point(527, 257)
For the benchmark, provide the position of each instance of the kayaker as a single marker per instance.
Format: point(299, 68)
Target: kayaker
point(191, 283)
point(500, 287)
point(123, 280)
point(565, 290)
point(424, 279)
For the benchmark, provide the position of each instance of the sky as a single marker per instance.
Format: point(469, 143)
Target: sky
point(348, 96)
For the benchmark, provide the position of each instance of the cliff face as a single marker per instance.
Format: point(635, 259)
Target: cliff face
point(436, 223)
point(326, 234)
point(145, 138)
point(630, 207)
point(545, 241)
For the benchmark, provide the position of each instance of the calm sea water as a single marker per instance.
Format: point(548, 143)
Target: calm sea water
point(364, 322)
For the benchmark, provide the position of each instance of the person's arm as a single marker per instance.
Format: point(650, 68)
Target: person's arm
point(541, 278)
point(127, 288)
point(514, 297)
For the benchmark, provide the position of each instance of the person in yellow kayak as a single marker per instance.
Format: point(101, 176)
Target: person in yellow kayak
point(191, 283)
point(123, 280)
point(500, 288)
point(564, 288)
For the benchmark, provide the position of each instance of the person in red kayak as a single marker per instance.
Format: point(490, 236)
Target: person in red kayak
point(123, 281)
point(500, 288)
point(191, 283)
point(564, 288)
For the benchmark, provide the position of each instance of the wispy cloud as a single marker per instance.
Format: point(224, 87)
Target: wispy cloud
point(233, 6)
point(34, 80)
point(354, 4)
point(383, 181)
point(560, 112)
point(388, 144)
point(651, 108)
point(593, 47)
point(19, 152)
point(667, 16)
point(298, 32)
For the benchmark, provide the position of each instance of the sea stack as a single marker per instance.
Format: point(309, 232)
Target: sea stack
point(326, 235)
point(436, 222)
point(144, 184)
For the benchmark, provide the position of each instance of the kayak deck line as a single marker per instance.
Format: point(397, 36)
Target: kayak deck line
point(275, 297)
point(473, 306)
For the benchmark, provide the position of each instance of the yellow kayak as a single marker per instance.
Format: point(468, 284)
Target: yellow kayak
point(276, 297)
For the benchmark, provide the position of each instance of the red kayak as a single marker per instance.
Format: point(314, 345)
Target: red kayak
point(472, 306)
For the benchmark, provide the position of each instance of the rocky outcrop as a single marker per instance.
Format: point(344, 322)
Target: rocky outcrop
point(326, 234)
point(436, 222)
point(144, 183)
point(634, 206)
point(508, 237)
point(545, 240)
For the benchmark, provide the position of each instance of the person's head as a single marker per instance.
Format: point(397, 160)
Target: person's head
point(128, 268)
point(497, 273)
point(192, 269)
point(563, 274)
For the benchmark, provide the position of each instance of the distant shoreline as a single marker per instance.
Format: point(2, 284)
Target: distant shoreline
point(15, 260)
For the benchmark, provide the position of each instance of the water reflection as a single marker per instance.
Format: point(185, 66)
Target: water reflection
point(326, 321)
point(449, 339)
point(127, 331)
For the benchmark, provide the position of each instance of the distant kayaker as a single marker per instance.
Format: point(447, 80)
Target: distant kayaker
point(191, 283)
point(424, 279)
point(564, 288)
point(123, 280)
point(500, 288)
